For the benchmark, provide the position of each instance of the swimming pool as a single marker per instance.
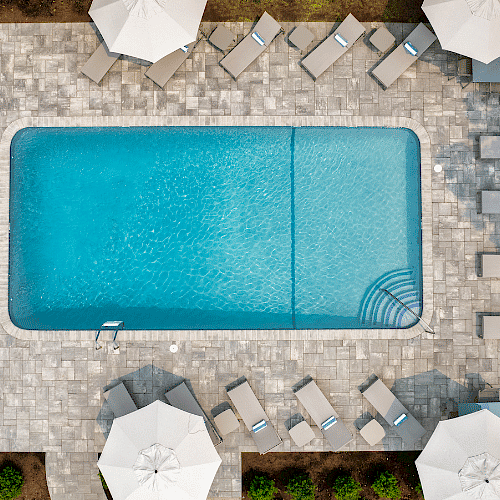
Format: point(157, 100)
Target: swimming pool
point(213, 227)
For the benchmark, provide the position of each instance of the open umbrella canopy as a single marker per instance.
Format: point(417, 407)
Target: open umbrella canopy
point(147, 29)
point(461, 461)
point(467, 27)
point(159, 453)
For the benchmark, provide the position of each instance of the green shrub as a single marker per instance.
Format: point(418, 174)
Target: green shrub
point(386, 486)
point(346, 488)
point(419, 490)
point(301, 487)
point(103, 481)
point(11, 483)
point(262, 488)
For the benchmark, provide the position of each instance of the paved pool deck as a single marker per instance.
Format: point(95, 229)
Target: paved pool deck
point(51, 396)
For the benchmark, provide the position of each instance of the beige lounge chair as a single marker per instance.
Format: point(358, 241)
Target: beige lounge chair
point(394, 413)
point(490, 265)
point(491, 327)
point(337, 44)
point(323, 414)
point(99, 63)
point(254, 416)
point(256, 42)
point(120, 401)
point(400, 59)
point(161, 71)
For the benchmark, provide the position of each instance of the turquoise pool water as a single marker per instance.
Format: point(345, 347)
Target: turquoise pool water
point(214, 228)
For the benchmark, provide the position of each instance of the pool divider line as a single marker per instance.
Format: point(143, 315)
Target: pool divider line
point(292, 222)
point(234, 121)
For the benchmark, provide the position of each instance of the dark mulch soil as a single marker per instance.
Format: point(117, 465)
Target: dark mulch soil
point(324, 467)
point(62, 11)
point(32, 466)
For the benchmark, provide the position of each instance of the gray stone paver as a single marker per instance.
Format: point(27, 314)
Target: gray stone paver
point(51, 393)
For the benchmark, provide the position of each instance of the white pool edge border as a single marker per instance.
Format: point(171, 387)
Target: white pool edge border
point(263, 121)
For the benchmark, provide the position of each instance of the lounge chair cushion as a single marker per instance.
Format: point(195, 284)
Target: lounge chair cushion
point(301, 37)
point(382, 39)
point(120, 401)
point(491, 265)
point(372, 432)
point(379, 395)
point(302, 433)
point(221, 37)
point(99, 63)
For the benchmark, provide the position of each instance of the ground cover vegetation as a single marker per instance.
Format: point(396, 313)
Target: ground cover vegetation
point(358, 475)
point(57, 11)
point(22, 476)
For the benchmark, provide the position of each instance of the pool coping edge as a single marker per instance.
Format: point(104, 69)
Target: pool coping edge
point(152, 121)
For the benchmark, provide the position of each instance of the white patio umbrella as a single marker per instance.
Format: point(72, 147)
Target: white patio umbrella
point(467, 27)
point(461, 461)
point(159, 452)
point(147, 29)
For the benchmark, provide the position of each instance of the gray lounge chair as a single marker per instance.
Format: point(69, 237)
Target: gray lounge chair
point(491, 327)
point(254, 416)
point(490, 202)
point(321, 411)
point(490, 265)
point(256, 42)
point(161, 71)
point(181, 397)
point(489, 146)
point(99, 63)
point(120, 401)
point(400, 59)
point(328, 51)
point(394, 413)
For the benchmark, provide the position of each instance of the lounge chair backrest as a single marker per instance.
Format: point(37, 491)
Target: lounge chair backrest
point(181, 397)
point(161, 71)
point(398, 61)
point(238, 59)
point(326, 53)
point(120, 401)
point(99, 63)
point(380, 397)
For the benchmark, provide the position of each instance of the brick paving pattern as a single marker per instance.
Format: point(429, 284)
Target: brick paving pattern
point(51, 395)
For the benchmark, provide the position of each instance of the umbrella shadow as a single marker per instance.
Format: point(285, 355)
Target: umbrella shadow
point(145, 385)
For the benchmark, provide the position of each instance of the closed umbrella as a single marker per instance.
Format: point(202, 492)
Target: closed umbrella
point(467, 27)
point(159, 453)
point(147, 29)
point(461, 461)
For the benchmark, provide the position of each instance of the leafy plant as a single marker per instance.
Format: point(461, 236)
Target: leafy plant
point(346, 487)
point(419, 490)
point(386, 486)
point(301, 487)
point(262, 488)
point(11, 482)
point(103, 481)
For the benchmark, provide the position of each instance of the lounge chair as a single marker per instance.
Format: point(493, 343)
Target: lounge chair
point(181, 397)
point(401, 58)
point(489, 146)
point(120, 401)
point(256, 42)
point(490, 202)
point(490, 265)
point(161, 71)
point(254, 416)
point(491, 327)
point(394, 413)
point(323, 414)
point(337, 44)
point(99, 63)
